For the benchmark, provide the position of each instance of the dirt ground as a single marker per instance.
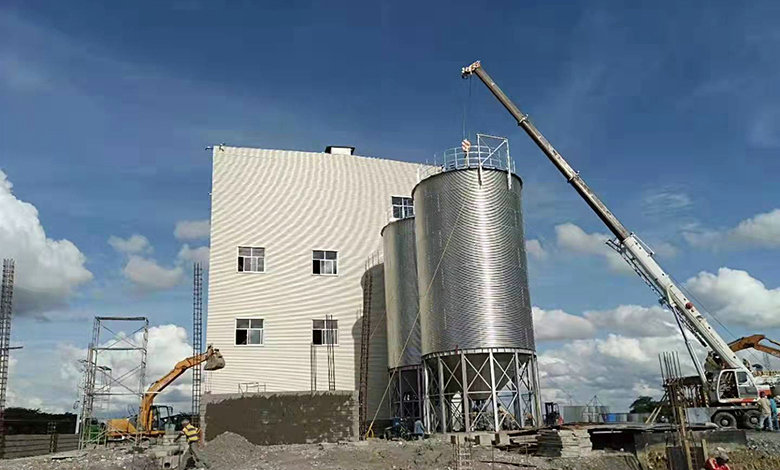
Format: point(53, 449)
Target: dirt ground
point(232, 452)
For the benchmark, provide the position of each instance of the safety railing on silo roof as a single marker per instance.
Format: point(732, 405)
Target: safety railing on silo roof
point(490, 152)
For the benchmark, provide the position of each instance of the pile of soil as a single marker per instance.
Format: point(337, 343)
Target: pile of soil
point(230, 451)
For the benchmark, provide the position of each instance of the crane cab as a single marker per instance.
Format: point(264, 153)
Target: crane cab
point(735, 386)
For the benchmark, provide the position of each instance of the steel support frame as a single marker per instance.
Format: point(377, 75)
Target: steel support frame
point(407, 392)
point(480, 390)
point(130, 382)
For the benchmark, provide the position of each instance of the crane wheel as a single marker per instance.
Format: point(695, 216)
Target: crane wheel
point(724, 419)
point(751, 419)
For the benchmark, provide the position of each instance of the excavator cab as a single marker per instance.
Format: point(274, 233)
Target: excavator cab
point(215, 360)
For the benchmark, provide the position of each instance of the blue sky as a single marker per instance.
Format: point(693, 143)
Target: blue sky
point(671, 113)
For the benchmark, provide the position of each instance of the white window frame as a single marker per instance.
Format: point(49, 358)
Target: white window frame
point(324, 329)
point(251, 256)
point(248, 329)
point(406, 205)
point(325, 261)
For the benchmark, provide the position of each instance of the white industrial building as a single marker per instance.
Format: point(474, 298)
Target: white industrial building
point(290, 236)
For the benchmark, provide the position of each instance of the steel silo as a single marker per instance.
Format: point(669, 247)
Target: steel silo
point(403, 325)
point(475, 311)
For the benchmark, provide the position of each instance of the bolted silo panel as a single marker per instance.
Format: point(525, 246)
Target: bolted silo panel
point(401, 294)
point(472, 273)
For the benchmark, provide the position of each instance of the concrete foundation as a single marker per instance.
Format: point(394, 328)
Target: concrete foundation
point(283, 417)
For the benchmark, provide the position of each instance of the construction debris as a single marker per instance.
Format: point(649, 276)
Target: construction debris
point(564, 443)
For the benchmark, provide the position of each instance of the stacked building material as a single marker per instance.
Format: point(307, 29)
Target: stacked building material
point(563, 443)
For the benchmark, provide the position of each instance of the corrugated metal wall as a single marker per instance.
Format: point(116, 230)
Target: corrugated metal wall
point(291, 203)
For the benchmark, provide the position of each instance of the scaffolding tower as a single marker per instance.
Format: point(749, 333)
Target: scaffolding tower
point(115, 367)
point(197, 339)
point(6, 308)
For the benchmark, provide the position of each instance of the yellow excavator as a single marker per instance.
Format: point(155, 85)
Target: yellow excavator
point(149, 422)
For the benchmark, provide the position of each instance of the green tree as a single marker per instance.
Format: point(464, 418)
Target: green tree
point(644, 405)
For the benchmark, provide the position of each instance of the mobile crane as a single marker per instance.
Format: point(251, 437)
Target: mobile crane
point(727, 384)
point(150, 421)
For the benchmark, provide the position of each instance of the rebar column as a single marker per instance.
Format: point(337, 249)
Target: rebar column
point(197, 339)
point(6, 310)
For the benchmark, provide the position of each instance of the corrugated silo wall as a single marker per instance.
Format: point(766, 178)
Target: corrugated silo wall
point(403, 325)
point(471, 262)
point(377, 346)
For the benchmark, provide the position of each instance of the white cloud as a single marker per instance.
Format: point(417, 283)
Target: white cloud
point(571, 237)
point(634, 320)
point(760, 231)
point(31, 383)
point(617, 368)
point(134, 244)
point(47, 271)
point(192, 255)
point(666, 250)
point(665, 201)
point(764, 130)
point(535, 249)
point(735, 295)
point(557, 324)
point(192, 229)
point(150, 276)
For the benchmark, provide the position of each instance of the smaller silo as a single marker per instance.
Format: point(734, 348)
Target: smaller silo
point(403, 325)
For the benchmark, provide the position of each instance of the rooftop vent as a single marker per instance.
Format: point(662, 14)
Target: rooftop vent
point(339, 150)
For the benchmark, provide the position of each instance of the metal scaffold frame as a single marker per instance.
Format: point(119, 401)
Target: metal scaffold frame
point(197, 339)
point(498, 387)
point(107, 340)
point(406, 392)
point(6, 311)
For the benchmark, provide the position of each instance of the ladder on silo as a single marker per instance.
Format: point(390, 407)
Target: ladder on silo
point(365, 336)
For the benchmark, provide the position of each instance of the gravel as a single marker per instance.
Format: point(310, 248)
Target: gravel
point(99, 459)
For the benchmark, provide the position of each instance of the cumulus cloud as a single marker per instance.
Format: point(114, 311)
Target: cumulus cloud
point(31, 384)
point(634, 320)
point(134, 244)
point(48, 271)
point(147, 275)
point(573, 238)
point(557, 324)
point(194, 255)
point(534, 249)
point(735, 295)
point(759, 231)
point(616, 368)
point(192, 229)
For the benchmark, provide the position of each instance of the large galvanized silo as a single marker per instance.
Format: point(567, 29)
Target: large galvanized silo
point(475, 310)
point(403, 325)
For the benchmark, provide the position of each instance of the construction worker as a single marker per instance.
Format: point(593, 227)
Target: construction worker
point(766, 412)
point(192, 433)
point(719, 462)
point(773, 408)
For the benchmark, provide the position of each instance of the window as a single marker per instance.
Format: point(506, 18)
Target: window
point(325, 332)
point(324, 262)
point(403, 207)
point(251, 259)
point(249, 331)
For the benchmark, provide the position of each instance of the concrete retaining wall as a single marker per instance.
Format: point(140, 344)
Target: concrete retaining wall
point(283, 417)
point(28, 445)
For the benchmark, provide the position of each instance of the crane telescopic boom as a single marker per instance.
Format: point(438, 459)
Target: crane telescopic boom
point(627, 244)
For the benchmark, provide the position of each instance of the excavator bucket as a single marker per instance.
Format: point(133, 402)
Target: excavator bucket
point(215, 361)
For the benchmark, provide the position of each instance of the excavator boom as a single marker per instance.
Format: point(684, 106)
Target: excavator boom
point(754, 341)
